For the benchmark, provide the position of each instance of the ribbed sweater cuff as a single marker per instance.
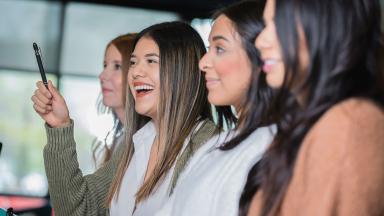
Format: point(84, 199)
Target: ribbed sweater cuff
point(58, 138)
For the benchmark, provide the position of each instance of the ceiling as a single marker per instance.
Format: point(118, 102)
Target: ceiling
point(186, 8)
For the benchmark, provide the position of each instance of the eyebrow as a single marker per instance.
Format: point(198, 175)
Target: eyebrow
point(151, 55)
point(219, 37)
point(146, 55)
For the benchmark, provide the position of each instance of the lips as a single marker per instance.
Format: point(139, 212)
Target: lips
point(268, 64)
point(106, 90)
point(211, 82)
point(142, 89)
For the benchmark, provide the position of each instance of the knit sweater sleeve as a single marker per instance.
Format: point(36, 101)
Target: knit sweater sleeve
point(72, 193)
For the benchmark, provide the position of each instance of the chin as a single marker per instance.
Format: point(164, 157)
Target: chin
point(142, 111)
point(274, 83)
point(217, 101)
point(106, 103)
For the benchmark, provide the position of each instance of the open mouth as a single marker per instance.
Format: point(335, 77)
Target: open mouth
point(143, 89)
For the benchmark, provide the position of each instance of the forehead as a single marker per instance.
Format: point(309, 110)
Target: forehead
point(112, 52)
point(146, 45)
point(222, 26)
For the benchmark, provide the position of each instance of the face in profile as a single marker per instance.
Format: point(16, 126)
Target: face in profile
point(144, 77)
point(111, 79)
point(271, 53)
point(226, 66)
point(269, 46)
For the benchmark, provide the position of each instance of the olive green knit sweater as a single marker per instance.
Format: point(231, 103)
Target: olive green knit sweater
point(74, 194)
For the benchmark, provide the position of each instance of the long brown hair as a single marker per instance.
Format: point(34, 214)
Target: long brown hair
point(183, 101)
point(124, 44)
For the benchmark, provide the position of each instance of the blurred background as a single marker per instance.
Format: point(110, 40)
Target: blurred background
point(72, 36)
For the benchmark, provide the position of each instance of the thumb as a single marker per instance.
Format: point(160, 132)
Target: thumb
point(55, 93)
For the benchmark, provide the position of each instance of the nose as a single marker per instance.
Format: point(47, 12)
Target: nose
point(136, 71)
point(205, 63)
point(103, 75)
point(261, 41)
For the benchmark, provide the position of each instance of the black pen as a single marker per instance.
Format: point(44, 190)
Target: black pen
point(40, 63)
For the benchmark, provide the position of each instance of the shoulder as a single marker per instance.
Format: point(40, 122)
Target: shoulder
point(339, 167)
point(350, 115)
point(352, 129)
point(203, 132)
point(357, 110)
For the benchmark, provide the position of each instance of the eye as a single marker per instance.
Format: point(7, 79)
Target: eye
point(152, 61)
point(104, 65)
point(117, 66)
point(132, 63)
point(219, 50)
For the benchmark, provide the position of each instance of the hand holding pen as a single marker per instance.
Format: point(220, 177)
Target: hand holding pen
point(50, 105)
point(47, 101)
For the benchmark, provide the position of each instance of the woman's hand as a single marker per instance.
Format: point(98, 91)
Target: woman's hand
point(50, 105)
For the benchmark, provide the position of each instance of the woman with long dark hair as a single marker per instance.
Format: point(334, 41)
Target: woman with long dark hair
point(323, 57)
point(167, 87)
point(213, 181)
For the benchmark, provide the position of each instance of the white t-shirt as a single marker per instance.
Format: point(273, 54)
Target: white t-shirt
point(213, 181)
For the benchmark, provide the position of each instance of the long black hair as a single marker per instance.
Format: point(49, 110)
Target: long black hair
point(246, 18)
point(344, 43)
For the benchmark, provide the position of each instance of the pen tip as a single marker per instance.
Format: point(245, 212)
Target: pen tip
point(35, 46)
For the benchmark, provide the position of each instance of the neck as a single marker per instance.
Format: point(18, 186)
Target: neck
point(120, 114)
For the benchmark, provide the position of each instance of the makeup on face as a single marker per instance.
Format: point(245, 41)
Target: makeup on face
point(142, 89)
point(271, 52)
point(226, 65)
point(144, 77)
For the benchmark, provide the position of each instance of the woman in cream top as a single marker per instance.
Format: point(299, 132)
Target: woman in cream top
point(213, 182)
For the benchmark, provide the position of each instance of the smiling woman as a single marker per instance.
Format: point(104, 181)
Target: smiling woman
point(212, 182)
point(144, 77)
point(166, 86)
point(324, 58)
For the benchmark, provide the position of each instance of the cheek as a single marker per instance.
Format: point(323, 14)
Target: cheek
point(234, 77)
point(275, 78)
point(117, 80)
point(225, 67)
point(234, 73)
point(130, 86)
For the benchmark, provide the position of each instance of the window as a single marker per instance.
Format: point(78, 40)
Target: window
point(22, 134)
point(72, 37)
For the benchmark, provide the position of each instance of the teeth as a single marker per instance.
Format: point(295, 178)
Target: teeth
point(270, 61)
point(143, 87)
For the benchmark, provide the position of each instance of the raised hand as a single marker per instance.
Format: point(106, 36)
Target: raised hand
point(50, 105)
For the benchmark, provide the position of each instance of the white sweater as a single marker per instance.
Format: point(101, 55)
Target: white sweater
point(213, 181)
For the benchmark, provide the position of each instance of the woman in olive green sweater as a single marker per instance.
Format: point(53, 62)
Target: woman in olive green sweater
point(179, 121)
